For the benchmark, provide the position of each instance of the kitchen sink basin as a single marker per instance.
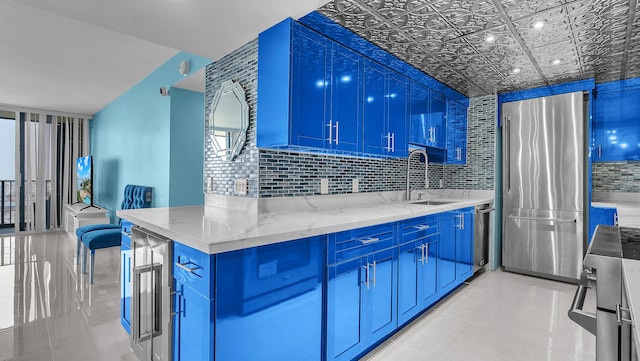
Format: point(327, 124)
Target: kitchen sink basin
point(431, 203)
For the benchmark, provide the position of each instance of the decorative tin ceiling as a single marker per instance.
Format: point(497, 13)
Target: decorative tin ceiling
point(484, 46)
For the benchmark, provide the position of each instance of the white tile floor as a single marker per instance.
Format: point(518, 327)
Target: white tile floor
point(48, 311)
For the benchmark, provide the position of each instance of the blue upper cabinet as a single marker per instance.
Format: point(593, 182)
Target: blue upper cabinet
point(456, 133)
point(616, 122)
point(385, 111)
point(428, 117)
point(309, 91)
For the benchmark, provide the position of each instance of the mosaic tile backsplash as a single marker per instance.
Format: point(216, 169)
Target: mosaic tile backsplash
point(618, 177)
point(276, 173)
point(241, 66)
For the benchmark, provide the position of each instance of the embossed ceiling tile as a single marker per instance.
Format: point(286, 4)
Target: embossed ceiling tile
point(428, 27)
point(469, 16)
point(556, 29)
point(564, 51)
point(518, 9)
point(607, 77)
point(386, 8)
point(561, 71)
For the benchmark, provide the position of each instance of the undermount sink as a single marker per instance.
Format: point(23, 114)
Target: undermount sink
point(431, 203)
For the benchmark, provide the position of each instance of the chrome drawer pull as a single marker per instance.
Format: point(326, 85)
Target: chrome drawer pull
point(189, 269)
point(369, 240)
point(422, 227)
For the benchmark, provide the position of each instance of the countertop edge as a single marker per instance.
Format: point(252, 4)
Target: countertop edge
point(631, 279)
point(226, 245)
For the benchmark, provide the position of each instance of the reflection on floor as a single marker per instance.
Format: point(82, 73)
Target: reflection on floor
point(48, 311)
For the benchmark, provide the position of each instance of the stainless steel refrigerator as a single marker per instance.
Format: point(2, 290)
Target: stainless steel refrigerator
point(544, 190)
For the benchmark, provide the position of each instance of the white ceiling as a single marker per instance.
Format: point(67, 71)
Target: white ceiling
point(77, 56)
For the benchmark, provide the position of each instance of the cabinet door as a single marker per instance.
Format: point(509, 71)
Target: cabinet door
point(616, 125)
point(344, 309)
point(310, 81)
point(125, 285)
point(376, 141)
point(601, 215)
point(397, 114)
point(447, 261)
point(193, 325)
point(464, 243)
point(456, 133)
point(269, 302)
point(437, 121)
point(344, 124)
point(419, 114)
point(428, 275)
point(381, 295)
point(408, 267)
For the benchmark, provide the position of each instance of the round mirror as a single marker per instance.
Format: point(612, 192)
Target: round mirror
point(228, 120)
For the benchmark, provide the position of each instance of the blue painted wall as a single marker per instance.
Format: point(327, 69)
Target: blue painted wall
point(131, 138)
point(186, 186)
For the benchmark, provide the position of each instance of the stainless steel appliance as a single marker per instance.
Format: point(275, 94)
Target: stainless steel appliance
point(151, 321)
point(603, 273)
point(481, 231)
point(544, 186)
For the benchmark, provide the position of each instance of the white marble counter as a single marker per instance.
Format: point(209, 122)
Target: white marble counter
point(222, 229)
point(631, 277)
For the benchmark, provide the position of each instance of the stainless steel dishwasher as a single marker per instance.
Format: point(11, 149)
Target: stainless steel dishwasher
point(482, 229)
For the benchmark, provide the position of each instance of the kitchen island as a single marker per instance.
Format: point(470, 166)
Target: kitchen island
point(311, 284)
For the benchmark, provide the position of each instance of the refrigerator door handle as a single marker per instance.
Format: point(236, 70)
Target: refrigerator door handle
point(559, 220)
point(507, 152)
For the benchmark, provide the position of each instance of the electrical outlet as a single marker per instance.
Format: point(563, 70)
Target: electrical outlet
point(241, 186)
point(209, 183)
point(355, 187)
point(324, 186)
point(441, 183)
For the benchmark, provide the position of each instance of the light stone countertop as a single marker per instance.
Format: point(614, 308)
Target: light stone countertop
point(216, 229)
point(628, 205)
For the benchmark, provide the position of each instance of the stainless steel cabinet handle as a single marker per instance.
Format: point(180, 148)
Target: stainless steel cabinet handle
point(393, 142)
point(462, 221)
point(155, 321)
point(189, 269)
point(330, 125)
point(366, 275)
point(388, 136)
point(615, 219)
point(483, 211)
point(507, 151)
point(369, 240)
point(421, 227)
point(559, 220)
point(337, 130)
point(599, 150)
point(374, 273)
point(619, 317)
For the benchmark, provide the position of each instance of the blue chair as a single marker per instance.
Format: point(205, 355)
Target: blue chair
point(98, 236)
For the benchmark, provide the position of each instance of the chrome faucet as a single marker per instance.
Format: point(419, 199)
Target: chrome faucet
point(426, 169)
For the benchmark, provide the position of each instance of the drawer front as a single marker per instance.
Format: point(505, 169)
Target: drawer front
point(419, 228)
point(194, 268)
point(347, 245)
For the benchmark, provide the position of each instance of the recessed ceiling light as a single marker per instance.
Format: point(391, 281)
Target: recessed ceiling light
point(556, 62)
point(516, 70)
point(538, 25)
point(490, 39)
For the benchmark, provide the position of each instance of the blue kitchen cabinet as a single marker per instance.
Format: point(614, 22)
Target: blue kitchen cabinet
point(456, 133)
point(361, 290)
point(437, 120)
point(385, 111)
point(456, 248)
point(125, 276)
point(193, 304)
point(419, 126)
point(269, 302)
point(601, 215)
point(417, 266)
point(616, 123)
point(318, 80)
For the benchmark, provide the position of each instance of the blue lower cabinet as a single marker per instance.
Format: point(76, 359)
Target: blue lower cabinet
point(456, 248)
point(601, 215)
point(125, 277)
point(193, 304)
point(417, 266)
point(361, 291)
point(269, 302)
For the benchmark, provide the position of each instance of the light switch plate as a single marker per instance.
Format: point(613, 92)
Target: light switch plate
point(355, 186)
point(241, 186)
point(324, 186)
